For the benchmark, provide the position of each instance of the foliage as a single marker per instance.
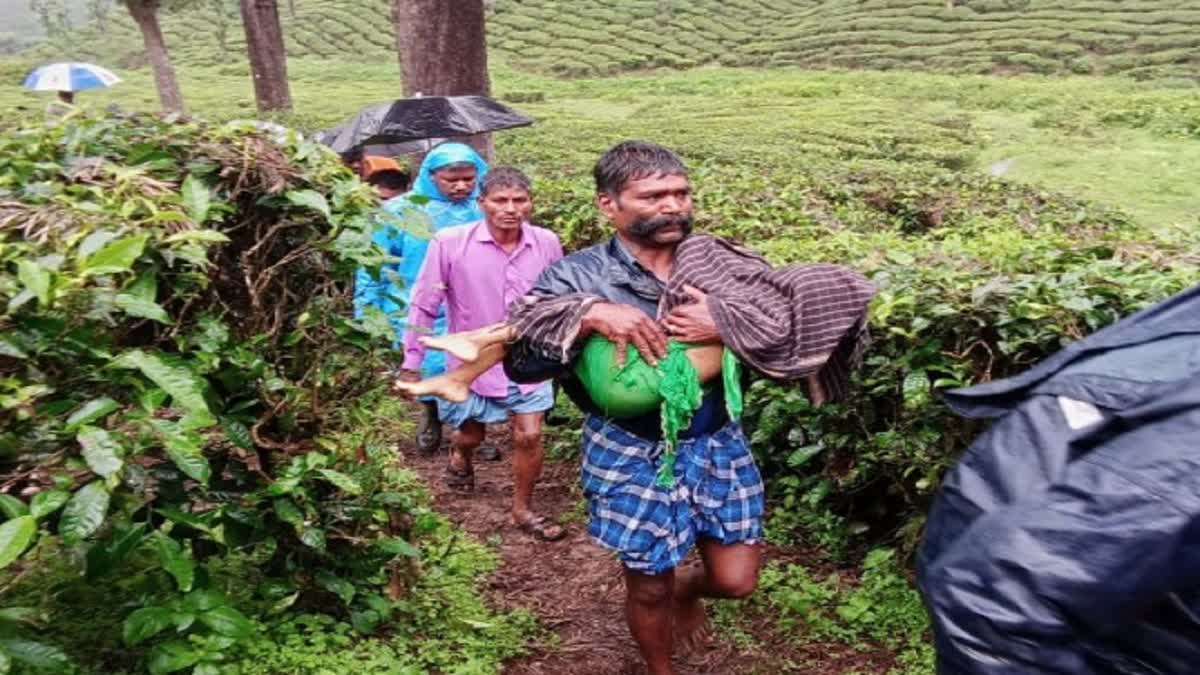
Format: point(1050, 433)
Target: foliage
point(880, 608)
point(175, 370)
point(441, 623)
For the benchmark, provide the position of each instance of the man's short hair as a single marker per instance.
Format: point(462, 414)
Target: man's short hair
point(634, 160)
point(504, 178)
point(390, 179)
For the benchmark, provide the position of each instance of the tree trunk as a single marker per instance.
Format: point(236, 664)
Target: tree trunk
point(443, 51)
point(268, 60)
point(145, 15)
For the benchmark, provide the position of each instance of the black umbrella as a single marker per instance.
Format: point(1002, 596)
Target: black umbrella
point(428, 117)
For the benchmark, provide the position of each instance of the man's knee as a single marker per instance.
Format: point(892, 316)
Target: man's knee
point(733, 583)
point(526, 439)
point(647, 590)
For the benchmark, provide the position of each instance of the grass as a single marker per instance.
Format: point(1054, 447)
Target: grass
point(1146, 39)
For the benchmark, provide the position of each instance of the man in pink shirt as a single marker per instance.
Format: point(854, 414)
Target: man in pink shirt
point(478, 270)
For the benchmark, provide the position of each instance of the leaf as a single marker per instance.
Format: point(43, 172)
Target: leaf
point(92, 411)
point(196, 199)
point(169, 657)
point(287, 511)
point(184, 386)
point(84, 512)
point(36, 654)
point(801, 455)
point(336, 585)
point(310, 199)
point(45, 503)
point(342, 481)
point(13, 507)
point(143, 624)
point(187, 455)
point(397, 546)
point(237, 433)
point(203, 600)
point(228, 621)
point(10, 349)
point(116, 256)
point(206, 669)
point(916, 388)
point(205, 236)
point(107, 556)
point(100, 450)
point(36, 280)
point(313, 538)
point(15, 536)
point(5, 663)
point(176, 562)
point(139, 307)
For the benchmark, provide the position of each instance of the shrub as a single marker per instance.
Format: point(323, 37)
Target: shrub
point(175, 364)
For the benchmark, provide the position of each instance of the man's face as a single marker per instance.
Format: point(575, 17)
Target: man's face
point(386, 193)
point(655, 210)
point(455, 182)
point(506, 208)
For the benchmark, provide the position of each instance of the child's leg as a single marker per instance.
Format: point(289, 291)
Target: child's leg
point(466, 346)
point(706, 359)
point(455, 386)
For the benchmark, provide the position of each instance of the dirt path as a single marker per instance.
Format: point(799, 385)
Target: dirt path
point(574, 587)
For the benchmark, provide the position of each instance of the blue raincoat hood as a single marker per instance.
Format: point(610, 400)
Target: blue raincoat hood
point(443, 211)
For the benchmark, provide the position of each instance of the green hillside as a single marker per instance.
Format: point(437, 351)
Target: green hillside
point(1140, 38)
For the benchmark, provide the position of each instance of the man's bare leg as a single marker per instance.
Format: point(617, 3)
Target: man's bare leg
point(650, 614)
point(468, 345)
point(462, 447)
point(728, 571)
point(454, 386)
point(528, 455)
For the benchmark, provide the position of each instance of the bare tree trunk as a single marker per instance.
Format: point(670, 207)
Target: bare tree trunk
point(145, 14)
point(268, 60)
point(443, 51)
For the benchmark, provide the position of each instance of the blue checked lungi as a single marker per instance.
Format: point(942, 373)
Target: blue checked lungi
point(718, 493)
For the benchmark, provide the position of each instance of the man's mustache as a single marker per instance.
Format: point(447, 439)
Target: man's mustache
point(647, 227)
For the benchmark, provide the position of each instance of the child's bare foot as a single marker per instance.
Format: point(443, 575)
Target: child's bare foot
point(443, 387)
point(455, 344)
point(467, 346)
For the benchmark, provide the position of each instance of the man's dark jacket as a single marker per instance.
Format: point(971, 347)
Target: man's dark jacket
point(1067, 540)
point(608, 271)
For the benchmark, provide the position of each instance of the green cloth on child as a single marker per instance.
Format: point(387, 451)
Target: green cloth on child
point(637, 387)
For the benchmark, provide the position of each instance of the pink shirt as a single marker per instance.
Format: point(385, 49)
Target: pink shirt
point(477, 280)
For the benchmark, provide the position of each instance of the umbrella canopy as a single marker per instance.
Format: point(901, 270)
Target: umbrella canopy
point(412, 119)
point(329, 136)
point(69, 77)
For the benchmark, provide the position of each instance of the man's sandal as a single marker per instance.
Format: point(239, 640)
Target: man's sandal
point(541, 528)
point(459, 479)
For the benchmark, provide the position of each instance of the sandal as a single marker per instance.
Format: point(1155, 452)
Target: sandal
point(459, 479)
point(541, 528)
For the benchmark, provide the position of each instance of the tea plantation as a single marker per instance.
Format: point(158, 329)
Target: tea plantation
point(1138, 38)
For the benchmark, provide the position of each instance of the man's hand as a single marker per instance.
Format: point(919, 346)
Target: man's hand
point(693, 323)
point(626, 325)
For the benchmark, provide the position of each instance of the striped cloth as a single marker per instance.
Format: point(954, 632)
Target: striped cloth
point(799, 322)
point(717, 494)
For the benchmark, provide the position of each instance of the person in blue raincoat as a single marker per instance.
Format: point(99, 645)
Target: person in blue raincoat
point(444, 194)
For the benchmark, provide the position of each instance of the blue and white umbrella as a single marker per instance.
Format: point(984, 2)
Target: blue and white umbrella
point(69, 77)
